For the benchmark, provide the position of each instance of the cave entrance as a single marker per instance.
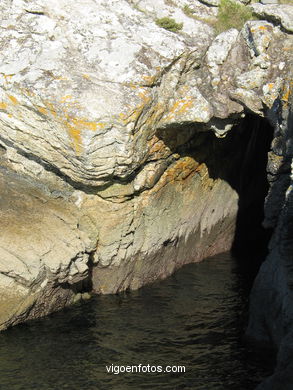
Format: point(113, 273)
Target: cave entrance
point(251, 238)
point(240, 159)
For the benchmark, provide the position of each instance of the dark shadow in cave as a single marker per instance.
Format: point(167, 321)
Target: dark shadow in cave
point(240, 159)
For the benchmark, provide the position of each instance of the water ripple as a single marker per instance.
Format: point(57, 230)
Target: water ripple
point(195, 318)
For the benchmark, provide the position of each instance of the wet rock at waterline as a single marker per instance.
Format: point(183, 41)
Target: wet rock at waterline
point(123, 144)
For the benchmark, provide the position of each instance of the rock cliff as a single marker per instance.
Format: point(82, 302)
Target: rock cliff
point(123, 144)
point(271, 308)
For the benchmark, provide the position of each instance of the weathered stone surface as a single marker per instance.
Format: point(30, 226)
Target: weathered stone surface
point(42, 250)
point(271, 308)
point(282, 14)
point(214, 3)
point(267, 2)
point(111, 176)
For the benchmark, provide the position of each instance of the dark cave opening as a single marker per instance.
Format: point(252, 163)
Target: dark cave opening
point(240, 159)
point(251, 238)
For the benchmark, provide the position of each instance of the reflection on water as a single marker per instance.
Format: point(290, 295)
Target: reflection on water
point(194, 318)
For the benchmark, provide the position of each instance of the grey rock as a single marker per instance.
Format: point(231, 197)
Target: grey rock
point(100, 110)
point(271, 307)
point(268, 2)
point(282, 14)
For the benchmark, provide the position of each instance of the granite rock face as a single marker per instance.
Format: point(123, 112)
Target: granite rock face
point(121, 143)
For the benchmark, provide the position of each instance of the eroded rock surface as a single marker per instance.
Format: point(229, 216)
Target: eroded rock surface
point(111, 174)
point(281, 14)
point(271, 308)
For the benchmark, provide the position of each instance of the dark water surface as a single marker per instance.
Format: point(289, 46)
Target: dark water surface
point(195, 319)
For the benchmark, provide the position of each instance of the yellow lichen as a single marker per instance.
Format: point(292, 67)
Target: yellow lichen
point(13, 99)
point(51, 108)
point(179, 172)
point(75, 135)
point(179, 107)
point(60, 78)
point(131, 85)
point(149, 80)
point(133, 114)
point(82, 123)
point(65, 98)
point(3, 106)
point(101, 125)
point(155, 115)
point(286, 93)
point(42, 110)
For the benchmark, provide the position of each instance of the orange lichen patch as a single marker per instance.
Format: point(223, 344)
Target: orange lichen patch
point(287, 92)
point(65, 98)
point(3, 106)
point(26, 92)
point(80, 123)
point(101, 125)
point(131, 85)
point(155, 145)
point(7, 78)
point(42, 110)
point(122, 116)
point(135, 113)
point(201, 169)
point(51, 109)
point(76, 126)
point(271, 85)
point(60, 78)
point(157, 149)
point(261, 28)
point(144, 96)
point(73, 125)
point(131, 117)
point(180, 107)
point(155, 114)
point(180, 171)
point(183, 90)
point(186, 104)
point(149, 80)
point(75, 135)
point(13, 99)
